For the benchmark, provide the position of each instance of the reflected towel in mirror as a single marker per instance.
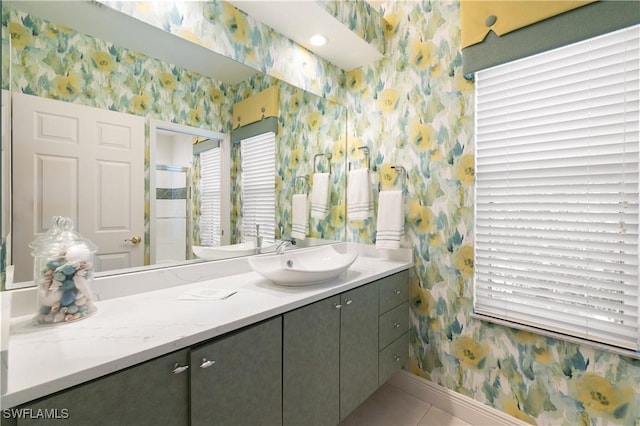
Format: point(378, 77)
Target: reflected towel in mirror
point(359, 197)
point(299, 217)
point(320, 195)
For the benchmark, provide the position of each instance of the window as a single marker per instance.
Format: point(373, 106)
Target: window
point(258, 171)
point(210, 198)
point(556, 223)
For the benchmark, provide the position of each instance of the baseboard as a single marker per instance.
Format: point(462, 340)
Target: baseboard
point(454, 403)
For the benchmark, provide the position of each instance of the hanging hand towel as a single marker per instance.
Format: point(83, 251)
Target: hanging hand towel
point(299, 216)
point(359, 198)
point(320, 195)
point(390, 223)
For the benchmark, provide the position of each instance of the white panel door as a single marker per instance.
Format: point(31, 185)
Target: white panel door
point(80, 162)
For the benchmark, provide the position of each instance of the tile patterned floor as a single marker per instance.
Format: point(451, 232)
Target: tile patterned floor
point(389, 406)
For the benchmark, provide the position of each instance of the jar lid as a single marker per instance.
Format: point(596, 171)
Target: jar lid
point(62, 240)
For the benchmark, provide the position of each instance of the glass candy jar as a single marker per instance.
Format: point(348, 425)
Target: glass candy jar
point(63, 272)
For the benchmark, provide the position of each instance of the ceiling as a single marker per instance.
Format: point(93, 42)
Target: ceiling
point(295, 19)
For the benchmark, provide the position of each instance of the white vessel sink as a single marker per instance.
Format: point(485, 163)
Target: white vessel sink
point(303, 267)
point(233, 250)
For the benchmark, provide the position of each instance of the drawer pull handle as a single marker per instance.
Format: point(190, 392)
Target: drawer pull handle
point(177, 368)
point(396, 324)
point(348, 301)
point(396, 292)
point(337, 305)
point(206, 363)
point(396, 358)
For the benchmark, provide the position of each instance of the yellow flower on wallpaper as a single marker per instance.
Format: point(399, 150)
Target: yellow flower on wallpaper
point(295, 101)
point(338, 150)
point(510, 407)
point(388, 176)
point(20, 36)
point(600, 397)
point(469, 352)
point(295, 157)
point(463, 261)
point(314, 120)
point(141, 103)
point(421, 300)
point(235, 22)
point(216, 96)
point(421, 217)
point(355, 79)
point(422, 136)
point(464, 169)
point(103, 61)
point(337, 216)
point(420, 53)
point(390, 26)
point(388, 100)
point(66, 87)
point(196, 116)
point(167, 80)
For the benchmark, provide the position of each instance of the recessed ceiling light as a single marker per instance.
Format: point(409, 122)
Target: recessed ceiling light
point(318, 40)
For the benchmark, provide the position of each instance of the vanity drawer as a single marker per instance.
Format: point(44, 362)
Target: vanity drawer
point(393, 291)
point(393, 324)
point(393, 358)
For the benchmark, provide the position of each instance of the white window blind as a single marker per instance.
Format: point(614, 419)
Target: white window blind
point(556, 222)
point(210, 198)
point(258, 163)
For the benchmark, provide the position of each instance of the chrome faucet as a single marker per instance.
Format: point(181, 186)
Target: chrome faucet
point(283, 244)
point(258, 240)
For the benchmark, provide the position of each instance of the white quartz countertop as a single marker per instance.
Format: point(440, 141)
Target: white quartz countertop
point(129, 330)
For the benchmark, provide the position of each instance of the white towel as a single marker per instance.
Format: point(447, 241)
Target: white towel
point(299, 216)
point(390, 223)
point(359, 197)
point(320, 195)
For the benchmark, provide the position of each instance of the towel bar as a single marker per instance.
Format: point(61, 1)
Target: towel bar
point(367, 154)
point(315, 157)
point(402, 172)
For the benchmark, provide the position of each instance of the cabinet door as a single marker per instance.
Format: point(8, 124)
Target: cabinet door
point(237, 379)
point(358, 346)
point(146, 394)
point(311, 364)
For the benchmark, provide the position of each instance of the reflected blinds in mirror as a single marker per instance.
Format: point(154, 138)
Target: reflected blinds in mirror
point(258, 198)
point(210, 198)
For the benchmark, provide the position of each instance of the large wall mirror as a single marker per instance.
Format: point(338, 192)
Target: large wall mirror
point(171, 90)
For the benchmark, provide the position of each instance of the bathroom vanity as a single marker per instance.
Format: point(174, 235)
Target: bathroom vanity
point(265, 355)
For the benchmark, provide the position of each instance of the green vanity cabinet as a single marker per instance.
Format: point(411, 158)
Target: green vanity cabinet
point(237, 379)
point(330, 357)
point(146, 394)
point(393, 341)
point(311, 360)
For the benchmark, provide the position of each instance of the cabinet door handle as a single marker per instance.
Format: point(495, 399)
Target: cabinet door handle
point(177, 368)
point(206, 363)
point(396, 292)
point(348, 301)
point(337, 305)
point(396, 358)
point(396, 324)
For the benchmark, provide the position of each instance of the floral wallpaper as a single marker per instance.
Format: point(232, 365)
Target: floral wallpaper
point(414, 108)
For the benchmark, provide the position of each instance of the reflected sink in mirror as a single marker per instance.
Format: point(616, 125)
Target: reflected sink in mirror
point(233, 250)
point(303, 267)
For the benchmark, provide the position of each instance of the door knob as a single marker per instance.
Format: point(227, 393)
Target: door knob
point(134, 240)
